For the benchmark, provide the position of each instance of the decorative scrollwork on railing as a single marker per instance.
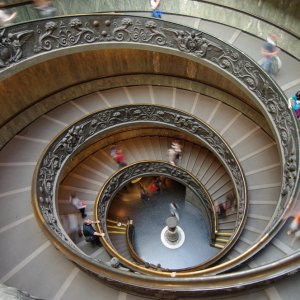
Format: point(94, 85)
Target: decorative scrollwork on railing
point(11, 46)
point(65, 32)
point(142, 169)
point(42, 37)
point(27, 40)
point(93, 125)
point(59, 34)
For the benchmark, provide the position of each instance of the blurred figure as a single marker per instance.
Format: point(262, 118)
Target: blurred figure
point(72, 225)
point(178, 149)
point(221, 209)
point(157, 183)
point(79, 204)
point(173, 210)
point(175, 153)
point(90, 234)
point(295, 225)
point(5, 18)
point(172, 156)
point(44, 8)
point(270, 62)
point(113, 151)
point(294, 103)
point(156, 12)
point(153, 187)
point(118, 156)
point(144, 194)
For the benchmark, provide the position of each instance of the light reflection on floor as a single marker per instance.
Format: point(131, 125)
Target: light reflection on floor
point(149, 220)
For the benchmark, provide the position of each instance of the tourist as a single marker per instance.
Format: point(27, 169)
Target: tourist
point(222, 209)
point(119, 158)
point(175, 153)
point(91, 235)
point(294, 103)
point(113, 151)
point(156, 12)
point(79, 204)
point(153, 187)
point(270, 61)
point(5, 18)
point(44, 8)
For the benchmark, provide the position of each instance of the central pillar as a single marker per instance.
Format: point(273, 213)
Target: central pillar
point(172, 234)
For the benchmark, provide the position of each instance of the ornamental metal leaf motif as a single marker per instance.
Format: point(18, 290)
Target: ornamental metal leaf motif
point(128, 30)
point(93, 125)
point(23, 41)
point(11, 46)
point(59, 34)
point(193, 42)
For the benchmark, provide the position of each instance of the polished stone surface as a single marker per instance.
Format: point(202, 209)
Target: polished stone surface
point(149, 218)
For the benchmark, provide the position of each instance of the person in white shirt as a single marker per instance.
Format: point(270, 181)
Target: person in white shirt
point(79, 204)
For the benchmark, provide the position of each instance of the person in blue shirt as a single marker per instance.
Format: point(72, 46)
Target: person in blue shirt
point(270, 52)
point(294, 103)
point(156, 12)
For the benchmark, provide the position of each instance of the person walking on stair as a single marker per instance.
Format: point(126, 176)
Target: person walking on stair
point(156, 12)
point(5, 18)
point(79, 204)
point(175, 153)
point(117, 154)
point(270, 61)
point(45, 8)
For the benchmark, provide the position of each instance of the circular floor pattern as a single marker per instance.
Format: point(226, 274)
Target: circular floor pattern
point(169, 244)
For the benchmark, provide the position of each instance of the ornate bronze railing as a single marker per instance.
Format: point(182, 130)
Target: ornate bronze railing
point(290, 34)
point(89, 128)
point(23, 43)
point(156, 168)
point(153, 168)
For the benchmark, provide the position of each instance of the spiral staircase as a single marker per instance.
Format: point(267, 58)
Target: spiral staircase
point(51, 89)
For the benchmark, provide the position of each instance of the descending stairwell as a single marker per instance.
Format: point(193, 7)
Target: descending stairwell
point(117, 235)
point(199, 161)
point(256, 151)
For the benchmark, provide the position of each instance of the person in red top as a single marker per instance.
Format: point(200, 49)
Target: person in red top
point(119, 158)
point(152, 188)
